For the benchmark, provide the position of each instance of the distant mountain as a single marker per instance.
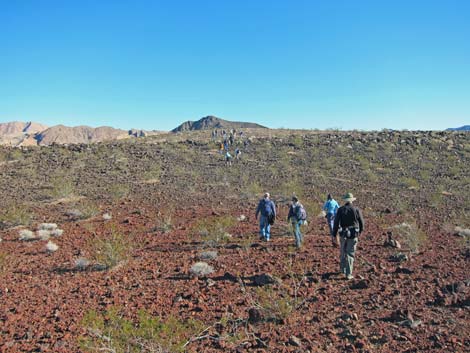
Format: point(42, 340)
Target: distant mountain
point(15, 132)
point(212, 122)
point(462, 128)
point(33, 134)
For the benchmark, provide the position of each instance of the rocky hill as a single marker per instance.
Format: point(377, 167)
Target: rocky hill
point(15, 132)
point(213, 122)
point(33, 134)
point(462, 128)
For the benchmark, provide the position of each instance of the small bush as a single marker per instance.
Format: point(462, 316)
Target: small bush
point(164, 222)
point(27, 235)
point(16, 215)
point(275, 305)
point(410, 183)
point(82, 263)
point(214, 230)
point(87, 209)
point(107, 216)
point(62, 188)
point(411, 235)
point(119, 191)
point(57, 232)
point(43, 234)
point(47, 226)
point(51, 247)
point(110, 250)
point(111, 332)
point(208, 255)
point(201, 269)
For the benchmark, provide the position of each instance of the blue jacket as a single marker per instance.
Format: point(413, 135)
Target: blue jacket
point(266, 207)
point(331, 206)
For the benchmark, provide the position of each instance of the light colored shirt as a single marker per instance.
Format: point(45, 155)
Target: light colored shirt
point(331, 206)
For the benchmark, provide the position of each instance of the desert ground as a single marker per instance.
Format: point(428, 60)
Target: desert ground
point(99, 244)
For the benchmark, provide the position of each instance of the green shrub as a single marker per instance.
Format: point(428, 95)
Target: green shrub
point(410, 234)
point(62, 187)
point(276, 305)
point(214, 230)
point(16, 215)
point(87, 209)
point(111, 249)
point(111, 332)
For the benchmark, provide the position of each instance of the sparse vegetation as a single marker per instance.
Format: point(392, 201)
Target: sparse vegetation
point(15, 215)
point(111, 249)
point(214, 230)
point(26, 235)
point(111, 332)
point(201, 269)
point(410, 234)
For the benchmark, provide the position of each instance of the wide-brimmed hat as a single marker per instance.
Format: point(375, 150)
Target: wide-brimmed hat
point(349, 197)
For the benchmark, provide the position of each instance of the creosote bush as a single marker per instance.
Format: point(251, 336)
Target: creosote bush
point(411, 235)
point(111, 332)
point(276, 304)
point(111, 249)
point(214, 230)
point(16, 215)
point(201, 269)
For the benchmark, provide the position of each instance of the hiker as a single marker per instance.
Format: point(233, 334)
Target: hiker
point(267, 209)
point(237, 153)
point(331, 207)
point(349, 218)
point(225, 145)
point(221, 149)
point(228, 158)
point(297, 216)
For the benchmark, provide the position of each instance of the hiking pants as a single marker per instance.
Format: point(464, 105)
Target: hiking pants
point(264, 227)
point(347, 254)
point(297, 234)
point(330, 218)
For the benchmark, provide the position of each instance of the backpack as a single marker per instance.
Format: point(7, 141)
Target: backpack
point(302, 213)
point(267, 208)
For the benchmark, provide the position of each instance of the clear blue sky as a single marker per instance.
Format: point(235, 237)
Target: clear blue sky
point(302, 64)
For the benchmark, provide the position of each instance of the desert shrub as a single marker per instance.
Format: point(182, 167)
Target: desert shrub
point(87, 209)
point(47, 226)
point(16, 215)
point(43, 234)
point(62, 187)
point(164, 222)
point(276, 305)
point(107, 216)
point(111, 249)
point(201, 269)
point(119, 191)
point(214, 230)
point(410, 183)
point(51, 247)
point(153, 174)
point(26, 235)
point(81, 263)
point(208, 255)
point(111, 332)
point(411, 235)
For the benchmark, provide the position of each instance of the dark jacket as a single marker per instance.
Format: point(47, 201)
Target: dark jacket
point(294, 212)
point(348, 216)
point(266, 207)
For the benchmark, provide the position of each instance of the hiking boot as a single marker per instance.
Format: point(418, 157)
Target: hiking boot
point(349, 277)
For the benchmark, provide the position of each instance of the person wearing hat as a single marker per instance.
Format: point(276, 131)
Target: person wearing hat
point(331, 207)
point(349, 218)
point(267, 209)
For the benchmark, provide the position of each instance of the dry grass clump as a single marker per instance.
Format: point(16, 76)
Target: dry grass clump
point(81, 264)
point(201, 269)
point(208, 255)
point(16, 215)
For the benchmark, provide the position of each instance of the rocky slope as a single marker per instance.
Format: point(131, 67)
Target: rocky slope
point(212, 122)
point(14, 133)
point(462, 128)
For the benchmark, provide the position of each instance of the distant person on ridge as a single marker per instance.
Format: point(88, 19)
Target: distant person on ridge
point(267, 209)
point(297, 216)
point(349, 218)
point(237, 153)
point(228, 158)
point(331, 207)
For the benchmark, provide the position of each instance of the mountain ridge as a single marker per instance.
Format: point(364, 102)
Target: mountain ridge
point(213, 122)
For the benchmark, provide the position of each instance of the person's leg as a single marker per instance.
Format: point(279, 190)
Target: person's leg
point(342, 255)
point(262, 221)
point(300, 233)
point(268, 230)
point(298, 240)
point(351, 246)
point(330, 220)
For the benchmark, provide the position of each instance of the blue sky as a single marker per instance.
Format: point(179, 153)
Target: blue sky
point(364, 64)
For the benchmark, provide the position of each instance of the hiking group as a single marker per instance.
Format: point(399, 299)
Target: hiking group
point(345, 224)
